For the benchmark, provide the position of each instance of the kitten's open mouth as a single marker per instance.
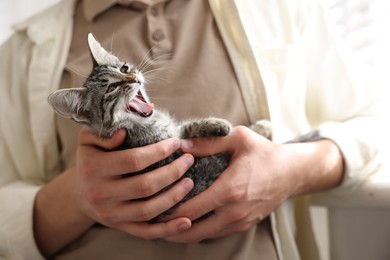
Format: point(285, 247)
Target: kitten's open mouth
point(139, 105)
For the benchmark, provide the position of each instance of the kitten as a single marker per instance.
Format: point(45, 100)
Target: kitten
point(114, 97)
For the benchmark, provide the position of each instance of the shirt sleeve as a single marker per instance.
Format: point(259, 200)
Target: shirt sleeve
point(19, 175)
point(16, 221)
point(345, 101)
point(31, 65)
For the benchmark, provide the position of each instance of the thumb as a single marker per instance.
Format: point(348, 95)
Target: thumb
point(205, 146)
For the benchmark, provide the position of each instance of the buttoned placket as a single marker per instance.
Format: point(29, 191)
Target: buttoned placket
point(158, 34)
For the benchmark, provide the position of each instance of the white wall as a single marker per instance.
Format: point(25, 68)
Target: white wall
point(14, 11)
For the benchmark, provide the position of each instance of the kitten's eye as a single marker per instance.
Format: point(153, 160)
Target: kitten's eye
point(124, 68)
point(111, 88)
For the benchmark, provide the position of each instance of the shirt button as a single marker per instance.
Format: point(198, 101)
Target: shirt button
point(158, 35)
point(154, 11)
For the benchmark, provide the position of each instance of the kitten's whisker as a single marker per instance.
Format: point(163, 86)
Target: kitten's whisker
point(153, 75)
point(75, 72)
point(124, 104)
point(119, 52)
point(156, 70)
point(154, 78)
point(161, 68)
point(112, 41)
point(101, 128)
point(160, 98)
point(145, 57)
point(147, 62)
point(162, 56)
point(156, 61)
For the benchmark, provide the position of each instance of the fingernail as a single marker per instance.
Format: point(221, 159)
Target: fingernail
point(186, 144)
point(175, 144)
point(189, 159)
point(184, 226)
point(188, 184)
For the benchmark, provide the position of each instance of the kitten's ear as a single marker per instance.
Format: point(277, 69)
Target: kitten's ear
point(99, 55)
point(68, 103)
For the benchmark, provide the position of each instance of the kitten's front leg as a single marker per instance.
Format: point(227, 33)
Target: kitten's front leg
point(263, 127)
point(205, 127)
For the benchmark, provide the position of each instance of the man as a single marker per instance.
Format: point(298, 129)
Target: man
point(243, 61)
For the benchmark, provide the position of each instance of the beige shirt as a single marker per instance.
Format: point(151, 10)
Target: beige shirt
point(188, 72)
point(188, 75)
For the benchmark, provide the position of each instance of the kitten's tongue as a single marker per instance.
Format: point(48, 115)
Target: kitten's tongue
point(141, 106)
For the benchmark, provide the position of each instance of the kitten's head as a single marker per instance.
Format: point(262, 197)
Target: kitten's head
point(112, 97)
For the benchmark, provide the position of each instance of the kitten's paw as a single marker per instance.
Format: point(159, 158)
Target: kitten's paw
point(263, 127)
point(206, 127)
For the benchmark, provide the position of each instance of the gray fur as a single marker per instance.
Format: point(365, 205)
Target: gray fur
point(114, 97)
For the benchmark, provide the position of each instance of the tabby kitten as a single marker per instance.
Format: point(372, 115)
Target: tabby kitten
point(114, 97)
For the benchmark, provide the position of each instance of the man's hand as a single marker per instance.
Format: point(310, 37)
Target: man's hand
point(95, 191)
point(110, 199)
point(261, 176)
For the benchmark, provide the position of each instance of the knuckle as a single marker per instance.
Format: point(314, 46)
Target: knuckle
point(193, 240)
point(237, 216)
point(94, 196)
point(134, 161)
point(148, 235)
point(176, 198)
point(83, 133)
point(180, 166)
point(176, 170)
point(111, 216)
point(242, 228)
point(241, 129)
point(234, 195)
point(144, 188)
point(105, 217)
point(242, 133)
point(166, 148)
point(145, 214)
point(87, 169)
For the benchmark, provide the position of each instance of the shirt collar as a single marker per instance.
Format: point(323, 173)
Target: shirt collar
point(93, 8)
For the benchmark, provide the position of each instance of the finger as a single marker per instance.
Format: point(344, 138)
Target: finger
point(234, 228)
point(156, 230)
point(213, 227)
point(114, 190)
point(148, 184)
point(117, 163)
point(137, 159)
point(207, 146)
point(199, 205)
point(201, 230)
point(88, 138)
point(151, 208)
point(146, 210)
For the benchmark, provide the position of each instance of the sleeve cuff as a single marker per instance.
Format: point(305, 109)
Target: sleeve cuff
point(16, 221)
point(361, 157)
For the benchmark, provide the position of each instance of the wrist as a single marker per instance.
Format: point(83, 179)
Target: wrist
point(313, 166)
point(58, 219)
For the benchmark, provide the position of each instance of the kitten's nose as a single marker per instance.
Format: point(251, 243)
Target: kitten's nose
point(132, 78)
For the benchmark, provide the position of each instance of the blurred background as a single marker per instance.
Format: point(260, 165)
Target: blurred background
point(358, 228)
point(364, 24)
